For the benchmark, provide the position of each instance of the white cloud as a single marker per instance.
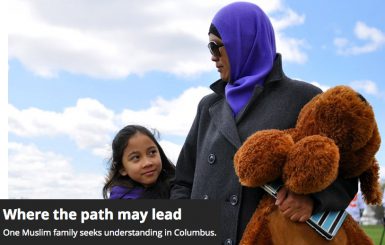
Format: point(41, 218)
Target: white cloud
point(321, 86)
point(88, 123)
point(33, 173)
point(91, 125)
point(372, 37)
point(340, 42)
point(367, 86)
point(288, 19)
point(3, 103)
point(169, 117)
point(114, 39)
point(291, 48)
point(171, 150)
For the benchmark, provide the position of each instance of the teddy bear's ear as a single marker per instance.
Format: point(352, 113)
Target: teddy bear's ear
point(370, 184)
point(354, 163)
point(261, 157)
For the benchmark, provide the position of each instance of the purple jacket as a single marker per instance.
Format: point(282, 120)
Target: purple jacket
point(123, 192)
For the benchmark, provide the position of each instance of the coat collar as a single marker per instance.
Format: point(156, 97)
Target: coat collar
point(221, 113)
point(276, 74)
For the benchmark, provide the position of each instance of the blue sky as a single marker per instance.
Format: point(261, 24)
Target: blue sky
point(80, 70)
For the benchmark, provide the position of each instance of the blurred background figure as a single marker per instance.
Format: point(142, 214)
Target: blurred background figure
point(357, 207)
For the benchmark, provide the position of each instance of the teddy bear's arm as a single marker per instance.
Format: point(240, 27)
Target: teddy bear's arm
point(261, 157)
point(354, 163)
point(311, 165)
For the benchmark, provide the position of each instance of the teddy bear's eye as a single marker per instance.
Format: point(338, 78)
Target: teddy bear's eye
point(361, 97)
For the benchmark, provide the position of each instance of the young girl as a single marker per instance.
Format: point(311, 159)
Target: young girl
point(139, 167)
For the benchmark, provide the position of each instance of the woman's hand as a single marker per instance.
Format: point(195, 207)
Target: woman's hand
point(296, 207)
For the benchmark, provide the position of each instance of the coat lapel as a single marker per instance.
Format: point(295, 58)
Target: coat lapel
point(222, 116)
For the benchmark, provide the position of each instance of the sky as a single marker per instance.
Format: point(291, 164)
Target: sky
point(80, 70)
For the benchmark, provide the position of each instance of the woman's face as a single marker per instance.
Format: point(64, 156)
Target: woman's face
point(141, 160)
point(222, 61)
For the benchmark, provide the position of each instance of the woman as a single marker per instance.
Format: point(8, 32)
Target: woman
point(252, 94)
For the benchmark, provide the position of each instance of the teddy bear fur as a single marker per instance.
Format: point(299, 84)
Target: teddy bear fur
point(335, 135)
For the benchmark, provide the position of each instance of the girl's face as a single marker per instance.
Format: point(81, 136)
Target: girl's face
point(141, 160)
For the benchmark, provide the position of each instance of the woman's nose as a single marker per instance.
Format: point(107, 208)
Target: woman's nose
point(214, 58)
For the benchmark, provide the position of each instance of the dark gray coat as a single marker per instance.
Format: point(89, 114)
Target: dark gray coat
point(205, 166)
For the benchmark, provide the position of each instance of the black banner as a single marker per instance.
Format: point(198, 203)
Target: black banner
point(135, 221)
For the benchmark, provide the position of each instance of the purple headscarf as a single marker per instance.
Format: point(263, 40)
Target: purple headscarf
point(249, 40)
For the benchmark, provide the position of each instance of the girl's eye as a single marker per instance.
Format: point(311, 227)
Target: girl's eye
point(134, 158)
point(153, 152)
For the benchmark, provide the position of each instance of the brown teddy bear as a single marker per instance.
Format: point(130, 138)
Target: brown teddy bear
point(335, 135)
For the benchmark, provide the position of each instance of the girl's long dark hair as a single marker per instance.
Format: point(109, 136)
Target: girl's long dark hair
point(161, 189)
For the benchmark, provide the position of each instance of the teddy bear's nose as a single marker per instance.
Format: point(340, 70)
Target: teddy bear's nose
point(361, 97)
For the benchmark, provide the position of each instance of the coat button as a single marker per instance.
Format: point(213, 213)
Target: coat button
point(228, 241)
point(211, 158)
point(234, 200)
point(205, 197)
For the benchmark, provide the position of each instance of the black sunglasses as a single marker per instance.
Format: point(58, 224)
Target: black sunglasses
point(214, 48)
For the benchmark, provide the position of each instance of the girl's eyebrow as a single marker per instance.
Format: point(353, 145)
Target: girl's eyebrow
point(132, 153)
